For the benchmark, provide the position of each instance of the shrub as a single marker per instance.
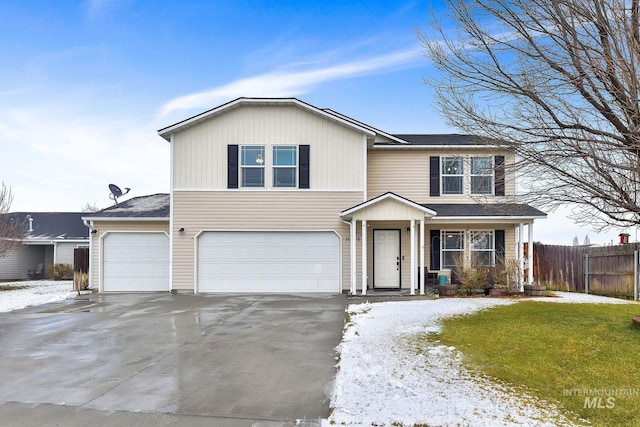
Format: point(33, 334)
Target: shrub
point(507, 276)
point(59, 271)
point(470, 275)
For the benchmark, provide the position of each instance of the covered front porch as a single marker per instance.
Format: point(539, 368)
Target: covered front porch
point(394, 243)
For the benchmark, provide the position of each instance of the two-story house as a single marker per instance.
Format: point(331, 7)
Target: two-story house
point(276, 195)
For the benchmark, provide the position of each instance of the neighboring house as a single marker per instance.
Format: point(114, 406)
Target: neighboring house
point(50, 238)
point(276, 195)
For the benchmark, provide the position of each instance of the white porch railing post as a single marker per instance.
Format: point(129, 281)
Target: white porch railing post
point(530, 256)
point(364, 257)
point(412, 290)
point(353, 237)
point(421, 273)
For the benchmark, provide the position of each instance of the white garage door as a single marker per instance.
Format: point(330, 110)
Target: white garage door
point(135, 262)
point(268, 262)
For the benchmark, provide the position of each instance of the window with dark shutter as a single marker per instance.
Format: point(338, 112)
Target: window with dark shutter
point(499, 165)
point(232, 166)
point(434, 176)
point(434, 239)
point(303, 172)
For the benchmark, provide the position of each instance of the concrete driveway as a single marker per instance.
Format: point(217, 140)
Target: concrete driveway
point(163, 359)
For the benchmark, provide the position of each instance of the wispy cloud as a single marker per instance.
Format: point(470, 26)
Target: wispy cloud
point(97, 7)
point(289, 82)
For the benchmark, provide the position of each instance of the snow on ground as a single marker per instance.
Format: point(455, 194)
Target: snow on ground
point(36, 292)
point(383, 378)
point(574, 297)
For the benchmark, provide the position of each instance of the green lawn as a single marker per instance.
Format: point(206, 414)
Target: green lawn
point(559, 351)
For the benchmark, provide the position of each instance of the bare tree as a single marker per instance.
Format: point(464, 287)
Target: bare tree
point(11, 228)
point(556, 80)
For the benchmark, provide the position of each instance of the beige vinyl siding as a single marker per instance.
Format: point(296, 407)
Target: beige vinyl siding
point(336, 151)
point(388, 209)
point(406, 173)
point(256, 210)
point(104, 227)
point(16, 265)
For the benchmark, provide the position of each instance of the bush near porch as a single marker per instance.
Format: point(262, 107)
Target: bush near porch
point(558, 351)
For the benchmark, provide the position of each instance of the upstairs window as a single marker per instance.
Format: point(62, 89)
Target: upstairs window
point(285, 161)
point(452, 173)
point(252, 165)
point(482, 171)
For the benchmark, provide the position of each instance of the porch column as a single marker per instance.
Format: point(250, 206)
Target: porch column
point(352, 236)
point(521, 254)
point(364, 257)
point(530, 255)
point(413, 257)
point(421, 273)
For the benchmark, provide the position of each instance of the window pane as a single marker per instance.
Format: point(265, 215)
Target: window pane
point(481, 240)
point(451, 185)
point(284, 155)
point(252, 155)
point(449, 258)
point(452, 166)
point(452, 240)
point(481, 166)
point(482, 258)
point(284, 177)
point(253, 177)
point(481, 184)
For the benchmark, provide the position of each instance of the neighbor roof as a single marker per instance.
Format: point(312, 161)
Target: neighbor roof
point(52, 225)
point(154, 206)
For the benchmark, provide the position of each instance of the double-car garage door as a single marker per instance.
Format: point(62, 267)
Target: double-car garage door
point(242, 261)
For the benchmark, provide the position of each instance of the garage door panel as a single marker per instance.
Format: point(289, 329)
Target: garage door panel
point(134, 262)
point(269, 262)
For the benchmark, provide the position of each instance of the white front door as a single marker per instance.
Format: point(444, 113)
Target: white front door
point(386, 259)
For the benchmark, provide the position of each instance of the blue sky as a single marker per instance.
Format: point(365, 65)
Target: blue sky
point(85, 85)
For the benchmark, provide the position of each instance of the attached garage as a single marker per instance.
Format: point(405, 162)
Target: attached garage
point(268, 261)
point(135, 261)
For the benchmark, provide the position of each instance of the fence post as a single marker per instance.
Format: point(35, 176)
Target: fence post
point(586, 273)
point(635, 275)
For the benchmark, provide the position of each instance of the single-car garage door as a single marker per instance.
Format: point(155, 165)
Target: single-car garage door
point(133, 262)
point(242, 261)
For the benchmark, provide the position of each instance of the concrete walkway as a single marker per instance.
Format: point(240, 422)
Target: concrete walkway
point(162, 359)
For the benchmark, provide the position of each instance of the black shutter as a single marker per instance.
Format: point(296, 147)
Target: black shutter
point(499, 165)
point(434, 238)
point(303, 171)
point(434, 176)
point(232, 166)
point(499, 246)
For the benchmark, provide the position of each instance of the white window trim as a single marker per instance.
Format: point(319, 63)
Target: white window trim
point(443, 250)
point(493, 245)
point(492, 175)
point(444, 175)
point(295, 167)
point(262, 166)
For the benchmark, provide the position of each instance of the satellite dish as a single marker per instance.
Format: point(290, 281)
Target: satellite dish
point(117, 192)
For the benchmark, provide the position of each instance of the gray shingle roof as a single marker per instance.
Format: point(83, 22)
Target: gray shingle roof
point(444, 139)
point(152, 206)
point(52, 225)
point(480, 210)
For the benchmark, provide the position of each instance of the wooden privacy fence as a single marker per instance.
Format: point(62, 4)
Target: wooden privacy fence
point(610, 270)
point(80, 269)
